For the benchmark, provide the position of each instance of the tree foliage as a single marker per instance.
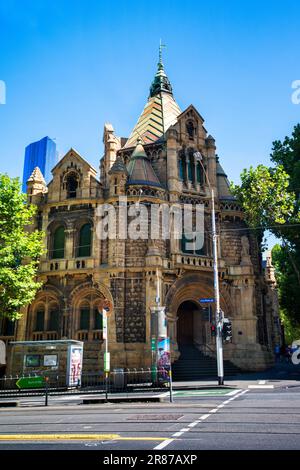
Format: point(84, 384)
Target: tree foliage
point(288, 282)
point(20, 249)
point(270, 198)
point(264, 196)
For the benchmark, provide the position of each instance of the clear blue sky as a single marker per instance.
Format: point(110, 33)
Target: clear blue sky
point(71, 66)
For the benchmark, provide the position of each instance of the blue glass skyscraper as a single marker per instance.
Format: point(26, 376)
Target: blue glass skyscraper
point(42, 154)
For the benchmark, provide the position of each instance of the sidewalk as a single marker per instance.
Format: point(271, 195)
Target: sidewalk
point(283, 374)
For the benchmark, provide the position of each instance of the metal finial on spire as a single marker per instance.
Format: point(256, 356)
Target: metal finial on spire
point(160, 52)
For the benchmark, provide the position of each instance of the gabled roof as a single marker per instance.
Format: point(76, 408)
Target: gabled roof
point(192, 108)
point(159, 113)
point(140, 169)
point(73, 153)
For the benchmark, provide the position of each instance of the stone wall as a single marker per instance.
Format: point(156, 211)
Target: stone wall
point(135, 308)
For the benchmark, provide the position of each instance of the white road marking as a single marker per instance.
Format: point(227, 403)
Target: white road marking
point(193, 424)
point(234, 392)
point(204, 417)
point(261, 382)
point(163, 444)
point(260, 386)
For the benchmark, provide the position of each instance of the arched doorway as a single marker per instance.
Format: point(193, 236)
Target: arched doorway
point(192, 325)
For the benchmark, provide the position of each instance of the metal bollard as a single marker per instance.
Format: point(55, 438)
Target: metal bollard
point(46, 390)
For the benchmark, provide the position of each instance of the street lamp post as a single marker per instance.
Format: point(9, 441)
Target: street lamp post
point(218, 312)
point(219, 315)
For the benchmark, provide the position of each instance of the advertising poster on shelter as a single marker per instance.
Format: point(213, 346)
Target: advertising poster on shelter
point(163, 357)
point(74, 365)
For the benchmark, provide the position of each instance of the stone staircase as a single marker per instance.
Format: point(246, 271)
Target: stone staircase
point(194, 365)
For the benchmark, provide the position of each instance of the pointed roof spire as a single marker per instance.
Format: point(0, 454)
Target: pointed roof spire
point(118, 167)
point(160, 112)
point(223, 183)
point(37, 176)
point(140, 169)
point(161, 81)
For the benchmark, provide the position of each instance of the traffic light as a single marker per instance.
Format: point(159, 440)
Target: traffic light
point(227, 330)
point(213, 330)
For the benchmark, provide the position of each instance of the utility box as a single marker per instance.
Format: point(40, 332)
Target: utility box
point(59, 360)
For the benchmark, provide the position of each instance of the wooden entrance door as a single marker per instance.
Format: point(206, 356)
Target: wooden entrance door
point(185, 327)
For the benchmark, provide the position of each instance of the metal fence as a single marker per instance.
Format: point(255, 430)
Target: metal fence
point(117, 381)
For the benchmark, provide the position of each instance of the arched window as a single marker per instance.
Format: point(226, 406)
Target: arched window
point(72, 185)
point(98, 323)
point(53, 319)
point(190, 170)
point(40, 320)
point(181, 168)
point(84, 317)
point(190, 128)
point(58, 250)
point(199, 173)
point(85, 240)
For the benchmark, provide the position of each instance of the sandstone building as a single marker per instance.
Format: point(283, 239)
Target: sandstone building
point(160, 162)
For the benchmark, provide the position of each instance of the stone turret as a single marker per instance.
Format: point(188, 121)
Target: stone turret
point(36, 186)
point(117, 178)
point(112, 144)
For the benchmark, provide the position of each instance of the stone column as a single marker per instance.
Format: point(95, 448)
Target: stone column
point(211, 163)
point(172, 164)
point(69, 243)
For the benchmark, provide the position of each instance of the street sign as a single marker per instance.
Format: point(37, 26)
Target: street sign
point(104, 324)
point(206, 301)
point(30, 382)
point(106, 362)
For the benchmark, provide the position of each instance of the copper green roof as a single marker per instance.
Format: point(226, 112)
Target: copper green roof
point(223, 183)
point(140, 169)
point(160, 112)
point(118, 167)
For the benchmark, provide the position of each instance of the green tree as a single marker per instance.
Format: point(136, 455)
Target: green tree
point(264, 196)
point(20, 249)
point(287, 279)
point(270, 198)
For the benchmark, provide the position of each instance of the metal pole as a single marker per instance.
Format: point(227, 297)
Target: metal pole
point(219, 319)
point(104, 313)
point(170, 378)
point(46, 391)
